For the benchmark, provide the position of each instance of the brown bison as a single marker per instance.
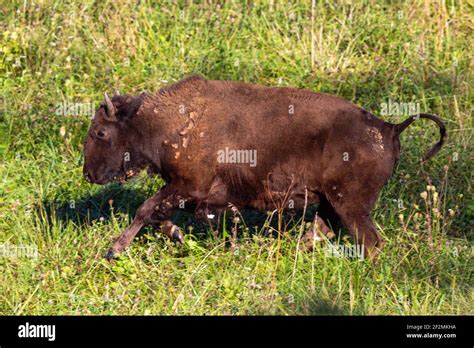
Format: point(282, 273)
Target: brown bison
point(217, 143)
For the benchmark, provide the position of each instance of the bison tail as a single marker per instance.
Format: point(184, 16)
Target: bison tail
point(398, 128)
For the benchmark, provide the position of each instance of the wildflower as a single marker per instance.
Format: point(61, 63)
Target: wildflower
point(400, 217)
point(430, 188)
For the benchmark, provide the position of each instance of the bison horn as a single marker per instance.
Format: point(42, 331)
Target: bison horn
point(110, 109)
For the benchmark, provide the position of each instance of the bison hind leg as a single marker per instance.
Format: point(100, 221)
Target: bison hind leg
point(318, 231)
point(326, 224)
point(355, 213)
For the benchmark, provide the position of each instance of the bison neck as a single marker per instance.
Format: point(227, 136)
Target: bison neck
point(165, 124)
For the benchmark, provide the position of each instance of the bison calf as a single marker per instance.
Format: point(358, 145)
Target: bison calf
point(221, 142)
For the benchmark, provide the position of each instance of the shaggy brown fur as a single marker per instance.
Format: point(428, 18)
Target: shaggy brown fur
point(313, 146)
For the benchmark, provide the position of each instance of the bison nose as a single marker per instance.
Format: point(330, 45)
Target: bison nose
point(87, 176)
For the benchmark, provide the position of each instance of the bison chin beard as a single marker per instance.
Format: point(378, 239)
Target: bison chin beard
point(125, 176)
point(119, 176)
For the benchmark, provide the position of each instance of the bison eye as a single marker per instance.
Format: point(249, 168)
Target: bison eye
point(101, 133)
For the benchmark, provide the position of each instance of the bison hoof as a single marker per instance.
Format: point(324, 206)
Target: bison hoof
point(111, 255)
point(306, 247)
point(177, 235)
point(308, 242)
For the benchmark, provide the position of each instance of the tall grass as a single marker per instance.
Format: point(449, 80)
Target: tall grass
point(369, 52)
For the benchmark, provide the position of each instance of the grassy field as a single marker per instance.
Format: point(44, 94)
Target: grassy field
point(370, 52)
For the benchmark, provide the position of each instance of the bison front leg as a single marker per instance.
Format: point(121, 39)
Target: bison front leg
point(172, 231)
point(156, 209)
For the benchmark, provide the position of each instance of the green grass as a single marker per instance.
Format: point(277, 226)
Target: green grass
point(368, 52)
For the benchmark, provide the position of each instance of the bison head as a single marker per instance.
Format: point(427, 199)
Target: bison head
point(110, 149)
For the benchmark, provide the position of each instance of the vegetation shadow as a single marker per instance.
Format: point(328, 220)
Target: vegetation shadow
point(115, 199)
point(324, 307)
point(111, 199)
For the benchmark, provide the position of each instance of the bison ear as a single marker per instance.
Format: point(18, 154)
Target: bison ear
point(110, 111)
point(135, 104)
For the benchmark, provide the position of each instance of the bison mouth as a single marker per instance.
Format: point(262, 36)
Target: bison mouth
point(120, 176)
